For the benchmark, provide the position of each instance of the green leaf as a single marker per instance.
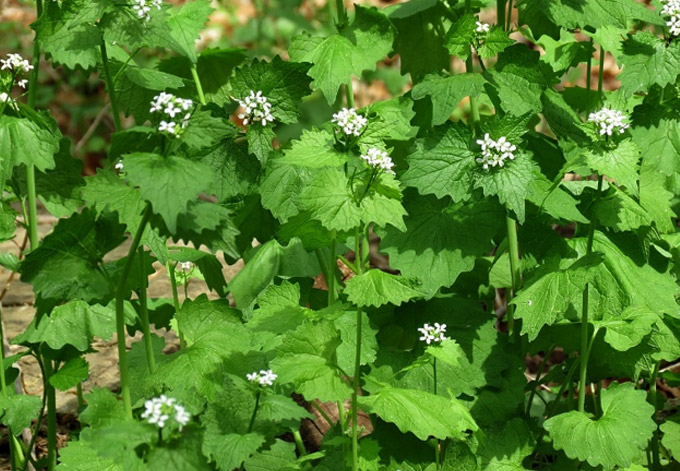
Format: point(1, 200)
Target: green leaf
point(627, 330)
point(619, 163)
point(281, 456)
point(167, 183)
point(103, 408)
point(441, 241)
point(281, 187)
point(417, 22)
point(495, 41)
point(564, 53)
point(617, 438)
point(461, 35)
point(441, 164)
point(65, 266)
point(235, 172)
point(346, 351)
point(331, 200)
point(231, 450)
point(388, 120)
point(284, 84)
point(620, 212)
point(420, 413)
point(314, 149)
point(75, 323)
point(376, 288)
point(209, 266)
point(68, 34)
point(215, 68)
point(446, 92)
point(18, 411)
point(24, 142)
point(60, 189)
point(553, 289)
point(505, 449)
point(671, 437)
point(648, 60)
point(563, 120)
point(185, 24)
point(356, 48)
point(510, 182)
point(181, 454)
point(71, 373)
point(554, 201)
point(78, 456)
point(313, 376)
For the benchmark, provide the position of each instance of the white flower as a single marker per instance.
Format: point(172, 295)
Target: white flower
point(143, 8)
point(185, 266)
point(119, 166)
point(482, 27)
point(263, 378)
point(5, 98)
point(256, 107)
point(22, 83)
point(379, 159)
point(432, 334)
point(351, 122)
point(169, 105)
point(671, 9)
point(494, 153)
point(15, 63)
point(159, 410)
point(610, 121)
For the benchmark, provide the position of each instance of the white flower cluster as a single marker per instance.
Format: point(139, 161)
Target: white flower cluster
point(264, 377)
point(482, 27)
point(671, 9)
point(256, 107)
point(351, 122)
point(432, 334)
point(185, 266)
point(160, 409)
point(609, 121)
point(494, 153)
point(379, 159)
point(5, 98)
point(171, 106)
point(119, 166)
point(143, 7)
point(16, 64)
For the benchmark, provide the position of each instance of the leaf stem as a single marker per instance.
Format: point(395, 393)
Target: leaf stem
point(173, 284)
point(331, 270)
point(299, 443)
point(589, 67)
point(322, 413)
point(197, 81)
point(539, 372)
point(14, 452)
point(509, 18)
point(252, 417)
point(600, 74)
point(500, 12)
point(515, 269)
point(357, 358)
point(474, 110)
point(51, 416)
point(342, 19)
point(79, 394)
point(437, 457)
point(111, 86)
point(120, 313)
point(656, 461)
point(151, 360)
point(584, 314)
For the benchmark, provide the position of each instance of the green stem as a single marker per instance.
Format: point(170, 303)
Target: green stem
point(357, 360)
point(538, 377)
point(322, 413)
point(111, 86)
point(332, 267)
point(469, 69)
point(14, 458)
point(151, 360)
point(79, 394)
point(51, 417)
point(437, 457)
point(656, 461)
point(197, 81)
point(299, 443)
point(589, 67)
point(349, 89)
point(515, 269)
point(33, 79)
point(600, 73)
point(500, 12)
point(507, 25)
point(173, 284)
point(341, 417)
point(120, 314)
point(342, 19)
point(252, 417)
point(584, 314)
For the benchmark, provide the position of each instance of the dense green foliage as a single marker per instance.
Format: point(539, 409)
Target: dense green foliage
point(524, 219)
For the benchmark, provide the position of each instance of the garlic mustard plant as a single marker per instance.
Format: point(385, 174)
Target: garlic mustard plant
point(609, 121)
point(482, 27)
point(350, 122)
point(15, 64)
point(256, 108)
point(432, 333)
point(170, 107)
point(671, 10)
point(162, 410)
point(495, 152)
point(379, 159)
point(263, 378)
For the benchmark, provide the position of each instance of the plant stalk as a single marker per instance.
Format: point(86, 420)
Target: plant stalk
point(197, 81)
point(120, 314)
point(299, 443)
point(173, 284)
point(356, 385)
point(437, 457)
point(469, 68)
point(252, 417)
point(600, 74)
point(332, 267)
point(656, 461)
point(111, 86)
point(509, 19)
point(51, 417)
point(151, 360)
point(515, 269)
point(500, 12)
point(342, 18)
point(584, 314)
point(589, 67)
